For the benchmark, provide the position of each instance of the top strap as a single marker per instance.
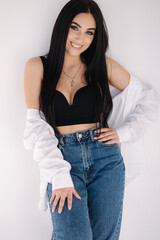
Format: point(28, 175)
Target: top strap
point(43, 60)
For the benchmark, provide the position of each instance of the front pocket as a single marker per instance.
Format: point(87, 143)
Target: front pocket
point(60, 146)
point(106, 144)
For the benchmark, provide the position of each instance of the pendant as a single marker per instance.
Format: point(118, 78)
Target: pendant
point(72, 82)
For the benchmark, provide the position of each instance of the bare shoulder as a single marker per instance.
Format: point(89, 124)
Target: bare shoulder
point(118, 76)
point(34, 66)
point(33, 74)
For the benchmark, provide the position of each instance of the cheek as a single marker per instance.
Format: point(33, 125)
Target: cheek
point(89, 41)
point(71, 34)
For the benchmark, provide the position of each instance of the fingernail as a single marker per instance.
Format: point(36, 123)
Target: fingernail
point(79, 197)
point(69, 208)
point(52, 210)
point(59, 211)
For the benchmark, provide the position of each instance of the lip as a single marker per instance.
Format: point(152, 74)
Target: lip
point(76, 47)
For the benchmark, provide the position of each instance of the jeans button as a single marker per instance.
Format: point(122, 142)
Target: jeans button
point(80, 135)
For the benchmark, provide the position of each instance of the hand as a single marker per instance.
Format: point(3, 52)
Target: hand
point(61, 194)
point(108, 134)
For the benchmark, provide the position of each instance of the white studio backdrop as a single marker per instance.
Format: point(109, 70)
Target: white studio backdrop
point(25, 30)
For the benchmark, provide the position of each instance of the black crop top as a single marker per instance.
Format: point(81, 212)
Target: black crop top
point(81, 111)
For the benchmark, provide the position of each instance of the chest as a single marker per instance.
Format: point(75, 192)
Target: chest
point(78, 108)
point(74, 98)
point(70, 96)
point(68, 92)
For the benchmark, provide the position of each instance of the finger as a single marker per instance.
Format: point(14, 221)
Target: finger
point(103, 130)
point(52, 198)
point(108, 139)
point(111, 141)
point(55, 203)
point(69, 201)
point(76, 194)
point(61, 204)
point(105, 136)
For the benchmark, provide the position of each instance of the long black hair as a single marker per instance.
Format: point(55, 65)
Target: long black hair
point(93, 58)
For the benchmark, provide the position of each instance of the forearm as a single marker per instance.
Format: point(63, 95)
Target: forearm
point(39, 136)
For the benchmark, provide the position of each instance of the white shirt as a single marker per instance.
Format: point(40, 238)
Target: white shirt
point(134, 109)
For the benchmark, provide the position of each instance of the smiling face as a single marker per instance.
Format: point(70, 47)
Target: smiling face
point(81, 34)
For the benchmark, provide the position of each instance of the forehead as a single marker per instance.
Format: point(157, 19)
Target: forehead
point(85, 20)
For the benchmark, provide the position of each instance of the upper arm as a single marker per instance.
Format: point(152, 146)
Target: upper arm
point(33, 72)
point(117, 75)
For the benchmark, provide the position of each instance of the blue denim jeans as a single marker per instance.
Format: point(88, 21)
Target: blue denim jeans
point(98, 174)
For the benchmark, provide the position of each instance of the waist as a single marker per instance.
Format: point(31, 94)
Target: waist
point(70, 129)
point(82, 134)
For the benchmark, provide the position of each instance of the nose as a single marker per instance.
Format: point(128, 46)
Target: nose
point(79, 37)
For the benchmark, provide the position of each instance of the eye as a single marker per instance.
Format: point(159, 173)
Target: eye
point(90, 33)
point(73, 27)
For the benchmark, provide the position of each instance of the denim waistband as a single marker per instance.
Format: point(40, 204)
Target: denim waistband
point(78, 136)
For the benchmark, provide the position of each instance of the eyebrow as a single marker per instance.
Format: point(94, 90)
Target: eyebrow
point(80, 26)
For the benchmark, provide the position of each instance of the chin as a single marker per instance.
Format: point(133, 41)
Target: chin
point(71, 52)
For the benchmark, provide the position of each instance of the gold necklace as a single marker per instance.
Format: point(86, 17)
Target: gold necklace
point(72, 82)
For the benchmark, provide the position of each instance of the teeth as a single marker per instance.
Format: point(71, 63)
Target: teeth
point(75, 45)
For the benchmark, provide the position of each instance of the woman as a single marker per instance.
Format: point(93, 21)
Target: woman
point(70, 89)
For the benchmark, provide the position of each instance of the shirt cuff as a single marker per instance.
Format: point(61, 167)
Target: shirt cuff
point(62, 181)
point(123, 133)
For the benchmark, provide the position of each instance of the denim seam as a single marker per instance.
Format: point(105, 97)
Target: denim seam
point(121, 210)
point(89, 154)
point(82, 154)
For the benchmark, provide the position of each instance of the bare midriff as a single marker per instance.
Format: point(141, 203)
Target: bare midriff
point(76, 128)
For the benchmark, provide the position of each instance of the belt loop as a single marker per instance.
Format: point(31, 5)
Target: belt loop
point(61, 140)
point(91, 134)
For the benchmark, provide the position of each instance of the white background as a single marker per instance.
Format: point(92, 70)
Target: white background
point(25, 32)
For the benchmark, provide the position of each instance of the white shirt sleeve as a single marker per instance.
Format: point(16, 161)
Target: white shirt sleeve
point(40, 137)
point(144, 104)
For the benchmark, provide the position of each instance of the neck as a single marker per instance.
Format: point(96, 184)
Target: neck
point(71, 62)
